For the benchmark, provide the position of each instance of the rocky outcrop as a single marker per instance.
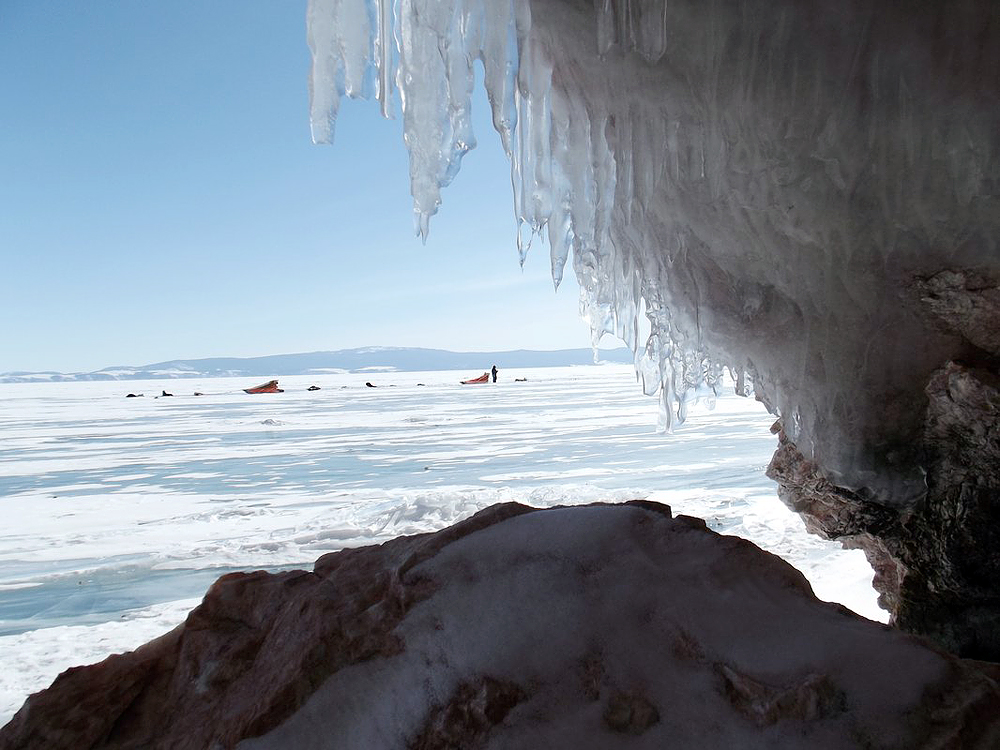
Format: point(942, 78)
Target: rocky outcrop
point(257, 646)
point(967, 302)
point(937, 564)
point(587, 627)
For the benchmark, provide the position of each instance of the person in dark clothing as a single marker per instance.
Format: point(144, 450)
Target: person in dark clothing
point(494, 373)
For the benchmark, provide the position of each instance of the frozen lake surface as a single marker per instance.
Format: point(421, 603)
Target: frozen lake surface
point(119, 512)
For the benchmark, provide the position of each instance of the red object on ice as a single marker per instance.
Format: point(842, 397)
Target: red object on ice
point(271, 386)
point(484, 378)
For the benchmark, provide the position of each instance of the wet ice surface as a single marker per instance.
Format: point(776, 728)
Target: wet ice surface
point(118, 513)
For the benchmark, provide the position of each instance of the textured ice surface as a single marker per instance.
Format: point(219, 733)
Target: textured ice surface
point(763, 181)
point(113, 508)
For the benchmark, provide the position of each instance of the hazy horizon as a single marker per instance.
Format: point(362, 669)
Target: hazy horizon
point(371, 348)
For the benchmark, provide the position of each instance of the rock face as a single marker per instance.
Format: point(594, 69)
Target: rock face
point(588, 627)
point(937, 564)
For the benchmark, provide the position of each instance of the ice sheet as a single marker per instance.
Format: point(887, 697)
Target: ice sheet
point(114, 507)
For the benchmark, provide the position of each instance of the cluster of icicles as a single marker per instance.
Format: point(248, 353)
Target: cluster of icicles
point(417, 57)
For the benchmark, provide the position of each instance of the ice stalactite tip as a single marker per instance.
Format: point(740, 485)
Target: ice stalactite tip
point(572, 173)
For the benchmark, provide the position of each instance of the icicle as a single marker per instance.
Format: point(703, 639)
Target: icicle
point(606, 37)
point(325, 81)
point(580, 172)
point(650, 30)
point(501, 65)
point(635, 25)
point(385, 53)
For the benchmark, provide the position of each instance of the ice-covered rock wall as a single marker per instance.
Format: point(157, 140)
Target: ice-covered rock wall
point(807, 192)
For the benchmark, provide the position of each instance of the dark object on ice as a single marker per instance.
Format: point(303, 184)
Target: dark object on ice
point(198, 393)
point(313, 388)
point(166, 394)
point(484, 378)
point(520, 380)
point(494, 371)
point(271, 386)
point(134, 395)
point(370, 385)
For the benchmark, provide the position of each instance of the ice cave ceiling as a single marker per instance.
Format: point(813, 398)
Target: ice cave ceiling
point(805, 192)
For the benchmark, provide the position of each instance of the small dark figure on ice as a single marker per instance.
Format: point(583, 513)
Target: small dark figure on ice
point(494, 373)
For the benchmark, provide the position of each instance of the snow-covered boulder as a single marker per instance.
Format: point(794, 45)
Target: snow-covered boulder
point(588, 627)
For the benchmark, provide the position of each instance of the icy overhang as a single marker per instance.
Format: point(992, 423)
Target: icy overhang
point(771, 184)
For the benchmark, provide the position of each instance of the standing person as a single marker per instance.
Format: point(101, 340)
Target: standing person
point(494, 373)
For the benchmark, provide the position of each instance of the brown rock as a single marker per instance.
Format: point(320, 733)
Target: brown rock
point(937, 564)
point(245, 659)
point(474, 709)
point(968, 303)
point(812, 698)
point(630, 713)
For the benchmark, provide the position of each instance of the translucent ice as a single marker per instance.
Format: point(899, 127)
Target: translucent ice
point(763, 182)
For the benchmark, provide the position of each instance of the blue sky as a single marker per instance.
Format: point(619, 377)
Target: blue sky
point(160, 198)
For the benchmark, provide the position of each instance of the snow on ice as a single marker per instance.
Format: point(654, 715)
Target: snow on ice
point(120, 512)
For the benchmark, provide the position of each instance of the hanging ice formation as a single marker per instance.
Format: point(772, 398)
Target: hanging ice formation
point(419, 55)
point(766, 182)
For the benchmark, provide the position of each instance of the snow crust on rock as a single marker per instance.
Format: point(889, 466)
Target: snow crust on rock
point(577, 611)
point(765, 182)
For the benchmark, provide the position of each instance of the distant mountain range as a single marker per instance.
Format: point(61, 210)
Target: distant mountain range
point(346, 360)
